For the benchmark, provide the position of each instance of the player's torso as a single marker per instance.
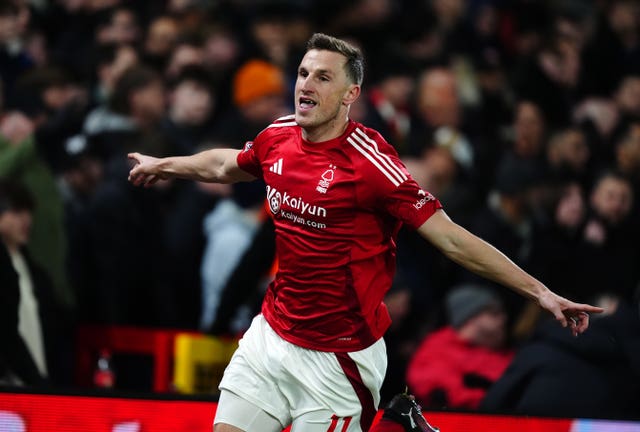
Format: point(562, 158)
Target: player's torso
point(335, 249)
point(322, 205)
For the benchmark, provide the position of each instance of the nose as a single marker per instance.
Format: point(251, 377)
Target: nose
point(304, 85)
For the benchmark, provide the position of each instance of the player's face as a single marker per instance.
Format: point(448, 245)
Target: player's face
point(323, 94)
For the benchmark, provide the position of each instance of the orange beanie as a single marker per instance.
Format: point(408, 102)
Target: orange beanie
point(256, 79)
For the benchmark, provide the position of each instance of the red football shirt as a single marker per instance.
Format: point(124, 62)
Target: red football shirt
point(337, 207)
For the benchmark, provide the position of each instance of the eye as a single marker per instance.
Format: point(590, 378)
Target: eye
point(303, 73)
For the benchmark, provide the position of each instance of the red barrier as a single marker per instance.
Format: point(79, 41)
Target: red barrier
point(156, 343)
point(21, 412)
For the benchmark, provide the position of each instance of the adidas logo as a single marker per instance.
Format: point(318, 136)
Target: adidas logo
point(277, 167)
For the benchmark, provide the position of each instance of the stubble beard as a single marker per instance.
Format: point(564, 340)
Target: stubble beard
point(316, 123)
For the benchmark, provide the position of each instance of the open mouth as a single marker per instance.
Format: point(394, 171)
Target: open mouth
point(306, 103)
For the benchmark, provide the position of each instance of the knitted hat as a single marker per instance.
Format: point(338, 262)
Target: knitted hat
point(466, 301)
point(256, 79)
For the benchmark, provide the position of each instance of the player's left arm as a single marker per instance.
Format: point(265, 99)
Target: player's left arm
point(480, 257)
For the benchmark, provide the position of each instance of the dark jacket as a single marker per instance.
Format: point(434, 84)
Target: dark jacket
point(556, 374)
point(14, 354)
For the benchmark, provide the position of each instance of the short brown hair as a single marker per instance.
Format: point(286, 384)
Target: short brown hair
point(354, 66)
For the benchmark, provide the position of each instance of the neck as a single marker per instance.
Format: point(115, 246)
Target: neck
point(328, 131)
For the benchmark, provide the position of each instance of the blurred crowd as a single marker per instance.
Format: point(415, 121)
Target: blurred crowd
point(522, 117)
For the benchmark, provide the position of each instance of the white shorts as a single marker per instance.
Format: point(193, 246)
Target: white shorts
point(314, 391)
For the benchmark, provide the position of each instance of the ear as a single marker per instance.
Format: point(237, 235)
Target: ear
point(352, 93)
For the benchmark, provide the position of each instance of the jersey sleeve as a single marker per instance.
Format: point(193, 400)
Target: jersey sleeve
point(248, 159)
point(410, 204)
point(389, 181)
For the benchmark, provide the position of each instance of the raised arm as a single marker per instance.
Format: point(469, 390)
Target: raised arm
point(485, 260)
point(215, 165)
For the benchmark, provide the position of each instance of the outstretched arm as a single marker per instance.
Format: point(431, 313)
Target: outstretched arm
point(216, 166)
point(485, 260)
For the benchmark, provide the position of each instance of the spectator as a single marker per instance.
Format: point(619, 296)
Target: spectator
point(268, 32)
point(111, 62)
point(130, 121)
point(188, 51)
point(229, 229)
point(454, 366)
point(529, 130)
point(551, 77)
point(568, 154)
point(606, 120)
point(191, 104)
point(389, 99)
point(507, 220)
point(246, 285)
point(601, 369)
point(626, 99)
point(161, 38)
point(556, 255)
point(223, 54)
point(31, 348)
point(21, 159)
point(612, 52)
point(445, 175)
point(610, 249)
point(35, 45)
point(131, 115)
point(259, 92)
point(441, 113)
point(51, 98)
point(524, 151)
point(117, 25)
point(507, 216)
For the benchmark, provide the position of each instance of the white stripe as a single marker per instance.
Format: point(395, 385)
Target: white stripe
point(384, 165)
point(282, 124)
point(368, 155)
point(385, 159)
point(389, 162)
point(287, 117)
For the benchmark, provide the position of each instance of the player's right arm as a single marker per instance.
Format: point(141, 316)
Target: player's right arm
point(215, 165)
